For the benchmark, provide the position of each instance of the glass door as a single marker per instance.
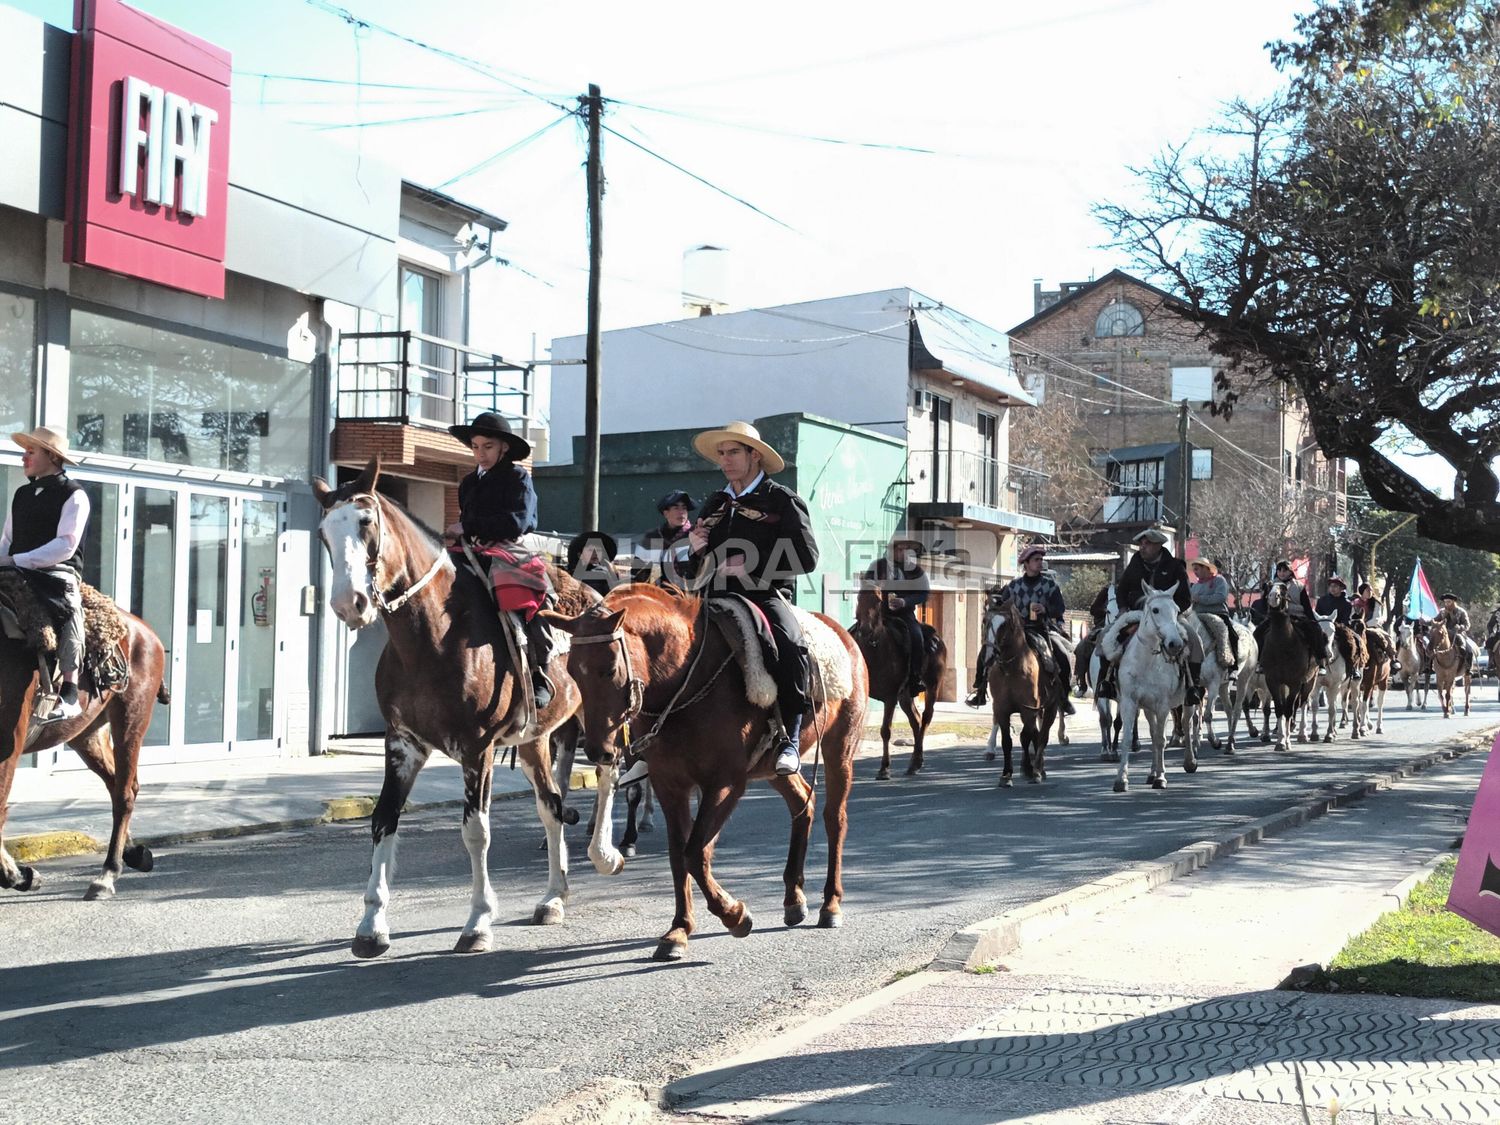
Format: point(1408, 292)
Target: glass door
point(206, 644)
point(153, 588)
point(255, 623)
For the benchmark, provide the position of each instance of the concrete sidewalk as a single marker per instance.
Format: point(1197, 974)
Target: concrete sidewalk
point(1160, 1008)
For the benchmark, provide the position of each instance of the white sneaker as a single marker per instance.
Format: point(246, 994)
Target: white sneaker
point(638, 771)
point(65, 711)
point(788, 761)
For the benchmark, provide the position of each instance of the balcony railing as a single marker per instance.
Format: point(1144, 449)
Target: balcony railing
point(420, 380)
point(963, 477)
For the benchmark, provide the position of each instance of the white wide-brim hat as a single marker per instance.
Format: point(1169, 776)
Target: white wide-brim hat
point(707, 443)
point(52, 442)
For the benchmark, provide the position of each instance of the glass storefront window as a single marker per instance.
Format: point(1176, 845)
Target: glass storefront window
point(140, 391)
point(17, 362)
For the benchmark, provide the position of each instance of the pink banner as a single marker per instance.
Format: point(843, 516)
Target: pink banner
point(1476, 883)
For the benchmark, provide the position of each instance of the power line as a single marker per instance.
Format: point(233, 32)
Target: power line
point(507, 151)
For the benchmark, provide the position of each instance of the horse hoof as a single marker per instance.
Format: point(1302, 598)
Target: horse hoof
point(830, 919)
point(989, 755)
point(747, 923)
point(472, 943)
point(570, 816)
point(795, 914)
point(1066, 741)
point(547, 914)
point(1189, 767)
point(367, 947)
point(914, 769)
point(1121, 786)
point(98, 889)
point(29, 880)
point(1158, 783)
point(669, 950)
point(1006, 781)
point(1033, 778)
point(1265, 740)
point(628, 851)
point(1328, 737)
point(138, 857)
point(883, 775)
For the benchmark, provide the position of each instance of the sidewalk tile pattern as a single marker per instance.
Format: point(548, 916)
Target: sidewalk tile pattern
point(1237, 1048)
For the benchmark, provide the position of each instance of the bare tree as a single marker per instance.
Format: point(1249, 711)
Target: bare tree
point(1252, 527)
point(1051, 439)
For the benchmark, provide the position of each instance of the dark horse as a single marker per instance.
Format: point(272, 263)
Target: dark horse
point(1018, 686)
point(654, 660)
point(885, 657)
point(444, 683)
point(107, 736)
point(1291, 668)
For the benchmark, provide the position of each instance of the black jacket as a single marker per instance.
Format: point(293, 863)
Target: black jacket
point(896, 581)
point(1139, 577)
point(770, 528)
point(498, 507)
point(664, 538)
point(1340, 607)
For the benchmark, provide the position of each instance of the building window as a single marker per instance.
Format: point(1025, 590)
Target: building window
point(1135, 492)
point(941, 466)
point(144, 392)
point(989, 459)
point(18, 361)
point(1119, 318)
point(1196, 384)
point(1203, 464)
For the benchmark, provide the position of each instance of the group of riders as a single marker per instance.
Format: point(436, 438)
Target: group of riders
point(751, 539)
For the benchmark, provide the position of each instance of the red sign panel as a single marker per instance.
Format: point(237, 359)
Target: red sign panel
point(148, 149)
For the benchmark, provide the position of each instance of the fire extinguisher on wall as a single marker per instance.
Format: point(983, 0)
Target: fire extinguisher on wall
point(260, 601)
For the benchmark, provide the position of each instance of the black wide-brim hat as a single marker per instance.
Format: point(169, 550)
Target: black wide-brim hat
point(675, 497)
point(583, 539)
point(492, 425)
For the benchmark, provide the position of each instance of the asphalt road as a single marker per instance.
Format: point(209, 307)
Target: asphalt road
point(220, 988)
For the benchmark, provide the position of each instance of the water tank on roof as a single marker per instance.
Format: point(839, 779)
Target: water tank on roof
point(705, 280)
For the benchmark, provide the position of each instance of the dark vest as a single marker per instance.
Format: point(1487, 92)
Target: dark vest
point(34, 511)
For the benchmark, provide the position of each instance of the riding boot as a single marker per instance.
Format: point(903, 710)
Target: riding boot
point(539, 646)
point(980, 696)
point(1194, 692)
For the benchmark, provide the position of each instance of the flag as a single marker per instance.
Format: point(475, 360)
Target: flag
point(1476, 883)
point(1420, 604)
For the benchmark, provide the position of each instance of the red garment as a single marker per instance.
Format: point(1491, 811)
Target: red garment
point(519, 580)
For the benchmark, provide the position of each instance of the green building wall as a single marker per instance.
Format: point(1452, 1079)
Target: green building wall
point(853, 479)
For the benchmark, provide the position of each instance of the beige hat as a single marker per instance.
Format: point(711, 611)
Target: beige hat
point(52, 442)
point(707, 442)
point(1151, 535)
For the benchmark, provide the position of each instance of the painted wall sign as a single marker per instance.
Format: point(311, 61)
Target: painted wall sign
point(148, 149)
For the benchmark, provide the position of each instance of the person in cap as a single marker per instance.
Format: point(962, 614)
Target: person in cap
point(1455, 616)
point(43, 539)
point(670, 538)
point(904, 589)
point(496, 506)
point(1036, 594)
point(755, 534)
point(1299, 607)
point(1335, 602)
point(1367, 607)
point(1154, 567)
point(590, 559)
point(1210, 597)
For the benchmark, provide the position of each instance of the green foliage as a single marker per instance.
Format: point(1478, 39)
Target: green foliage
point(1082, 585)
point(1473, 575)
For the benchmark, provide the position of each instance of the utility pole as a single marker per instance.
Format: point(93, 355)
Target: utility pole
point(593, 106)
point(1184, 477)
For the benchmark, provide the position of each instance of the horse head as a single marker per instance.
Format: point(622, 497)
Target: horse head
point(1276, 597)
point(1439, 639)
point(1159, 620)
point(602, 664)
point(867, 606)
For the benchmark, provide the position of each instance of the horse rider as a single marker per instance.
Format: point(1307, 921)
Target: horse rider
point(1036, 594)
point(43, 539)
point(757, 536)
point(496, 506)
point(1456, 618)
point(1156, 568)
point(590, 559)
point(1299, 608)
point(1367, 607)
point(1210, 598)
point(1102, 610)
point(903, 589)
point(1335, 603)
point(670, 537)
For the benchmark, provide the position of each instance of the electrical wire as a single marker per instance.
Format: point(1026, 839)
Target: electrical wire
point(508, 150)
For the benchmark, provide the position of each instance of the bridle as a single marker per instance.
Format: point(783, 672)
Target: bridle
point(382, 602)
point(1161, 649)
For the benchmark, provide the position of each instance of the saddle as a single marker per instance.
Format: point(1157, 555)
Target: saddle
point(745, 629)
point(25, 616)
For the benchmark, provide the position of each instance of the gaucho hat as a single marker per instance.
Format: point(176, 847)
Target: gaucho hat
point(1335, 578)
point(492, 425)
point(583, 539)
point(675, 497)
point(1450, 597)
point(707, 444)
point(1151, 535)
point(46, 440)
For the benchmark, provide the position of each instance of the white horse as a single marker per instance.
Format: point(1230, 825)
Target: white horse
point(1153, 679)
point(1332, 681)
point(1225, 684)
point(1409, 655)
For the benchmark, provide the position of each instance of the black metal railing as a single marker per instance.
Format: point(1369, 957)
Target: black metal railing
point(959, 476)
point(421, 380)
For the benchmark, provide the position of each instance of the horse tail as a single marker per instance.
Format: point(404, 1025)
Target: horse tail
point(164, 694)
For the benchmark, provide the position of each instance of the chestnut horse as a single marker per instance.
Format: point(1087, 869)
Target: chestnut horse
point(654, 660)
point(1451, 659)
point(1017, 687)
point(107, 736)
point(885, 657)
point(444, 683)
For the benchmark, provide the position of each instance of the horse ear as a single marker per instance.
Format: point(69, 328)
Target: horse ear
point(1172, 589)
point(323, 493)
point(365, 482)
point(559, 620)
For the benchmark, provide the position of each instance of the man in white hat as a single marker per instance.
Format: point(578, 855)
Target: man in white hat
point(43, 539)
point(755, 536)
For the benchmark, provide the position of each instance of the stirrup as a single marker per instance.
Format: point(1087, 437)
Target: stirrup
point(788, 760)
point(638, 771)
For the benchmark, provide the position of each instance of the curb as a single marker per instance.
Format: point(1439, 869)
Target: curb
point(984, 943)
point(62, 845)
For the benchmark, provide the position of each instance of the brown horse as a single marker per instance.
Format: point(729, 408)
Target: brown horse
point(654, 660)
point(107, 736)
point(885, 657)
point(1375, 681)
point(444, 683)
point(1018, 687)
point(1451, 659)
point(1291, 667)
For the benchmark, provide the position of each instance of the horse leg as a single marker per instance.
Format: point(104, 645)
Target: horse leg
point(1335, 692)
point(800, 800)
point(632, 832)
point(404, 759)
point(840, 744)
point(13, 876)
point(1194, 717)
point(550, 811)
point(677, 812)
point(917, 731)
point(1007, 747)
point(714, 807)
point(96, 747)
point(1158, 724)
point(884, 773)
point(1129, 714)
point(606, 858)
point(1102, 709)
point(478, 930)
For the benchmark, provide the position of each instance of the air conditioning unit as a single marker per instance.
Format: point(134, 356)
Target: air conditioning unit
point(922, 400)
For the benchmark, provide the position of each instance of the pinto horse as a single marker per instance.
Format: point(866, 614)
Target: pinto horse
point(444, 683)
point(654, 658)
point(1018, 686)
point(107, 736)
point(885, 657)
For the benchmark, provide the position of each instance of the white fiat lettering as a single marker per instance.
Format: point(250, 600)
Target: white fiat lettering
point(177, 134)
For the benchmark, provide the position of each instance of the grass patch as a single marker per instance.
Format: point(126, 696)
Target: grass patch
point(983, 970)
point(1420, 950)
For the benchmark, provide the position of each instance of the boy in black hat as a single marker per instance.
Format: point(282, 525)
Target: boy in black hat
point(591, 555)
point(497, 505)
point(670, 537)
